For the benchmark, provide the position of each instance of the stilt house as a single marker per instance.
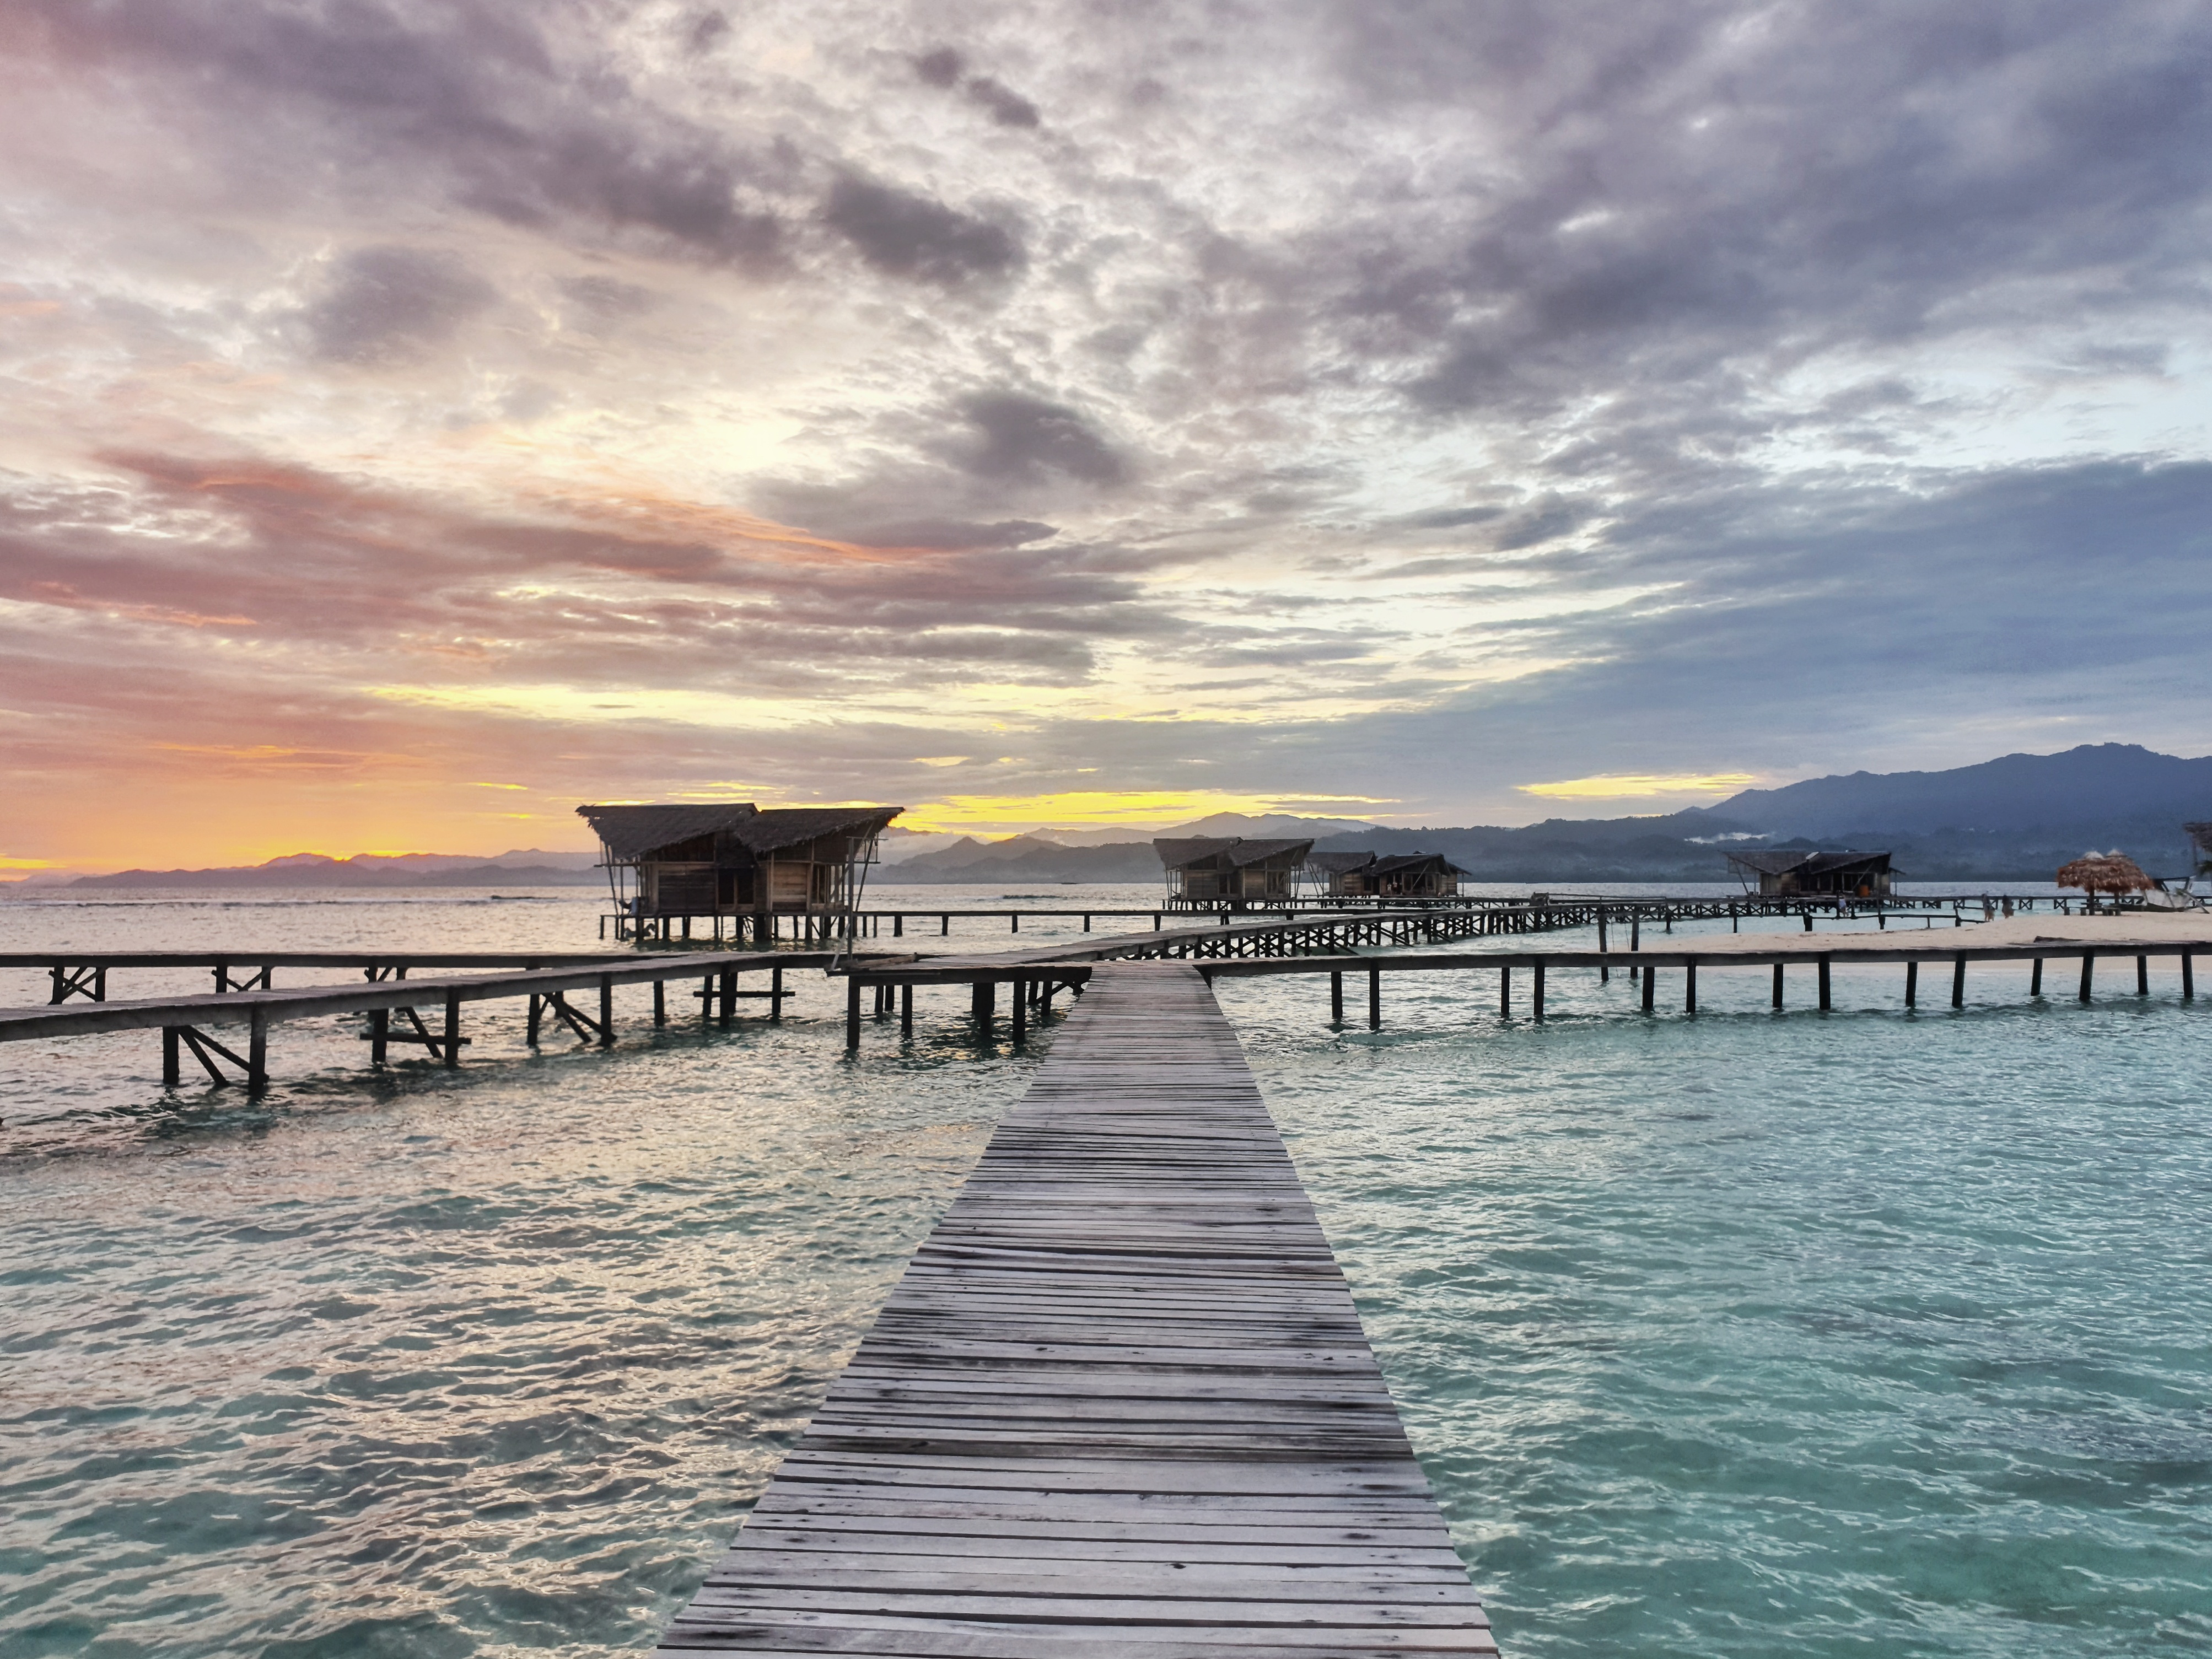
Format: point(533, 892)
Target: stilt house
point(732, 859)
point(1397, 875)
point(1206, 871)
point(1788, 870)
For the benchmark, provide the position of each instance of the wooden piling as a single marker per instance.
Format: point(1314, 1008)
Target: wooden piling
point(1374, 999)
point(2088, 972)
point(1826, 1002)
point(1959, 981)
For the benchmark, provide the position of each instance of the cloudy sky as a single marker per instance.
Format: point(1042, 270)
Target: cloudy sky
point(421, 416)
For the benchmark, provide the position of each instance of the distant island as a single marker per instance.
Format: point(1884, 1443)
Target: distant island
point(2016, 818)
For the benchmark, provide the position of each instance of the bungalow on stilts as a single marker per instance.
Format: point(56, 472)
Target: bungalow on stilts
point(739, 870)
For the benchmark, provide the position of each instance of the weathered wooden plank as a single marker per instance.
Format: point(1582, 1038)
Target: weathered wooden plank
point(1119, 1402)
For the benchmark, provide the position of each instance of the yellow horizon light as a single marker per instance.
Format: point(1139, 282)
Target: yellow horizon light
point(1629, 786)
point(1102, 809)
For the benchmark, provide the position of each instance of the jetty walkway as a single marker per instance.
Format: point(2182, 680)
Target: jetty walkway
point(1119, 1403)
point(246, 992)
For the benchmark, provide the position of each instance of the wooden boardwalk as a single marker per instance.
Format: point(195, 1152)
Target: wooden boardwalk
point(1119, 1403)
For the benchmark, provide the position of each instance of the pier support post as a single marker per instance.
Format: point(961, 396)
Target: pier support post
point(530, 1022)
point(660, 1002)
point(852, 1011)
point(1374, 999)
point(606, 1011)
point(982, 1001)
point(2035, 979)
point(2188, 977)
point(1912, 984)
point(2088, 972)
point(1021, 989)
point(775, 995)
point(1505, 992)
point(1778, 985)
point(2142, 976)
point(1690, 986)
point(257, 1049)
point(706, 1000)
point(906, 1010)
point(1536, 992)
point(1336, 995)
point(1650, 986)
point(170, 1072)
point(1826, 1002)
point(1636, 932)
point(1958, 981)
point(453, 1030)
point(1808, 915)
point(729, 995)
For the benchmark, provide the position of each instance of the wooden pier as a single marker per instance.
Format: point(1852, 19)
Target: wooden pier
point(2135, 938)
point(1120, 1404)
point(184, 1021)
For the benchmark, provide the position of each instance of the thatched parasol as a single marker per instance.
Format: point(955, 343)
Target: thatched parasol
point(2105, 872)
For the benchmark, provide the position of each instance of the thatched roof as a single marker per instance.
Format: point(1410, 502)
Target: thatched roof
point(1402, 863)
point(2105, 872)
point(631, 832)
point(1181, 851)
point(779, 827)
point(1782, 860)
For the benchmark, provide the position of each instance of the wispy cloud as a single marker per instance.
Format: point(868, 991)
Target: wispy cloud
point(1397, 400)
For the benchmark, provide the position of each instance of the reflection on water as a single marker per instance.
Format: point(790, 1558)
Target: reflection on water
point(1738, 1335)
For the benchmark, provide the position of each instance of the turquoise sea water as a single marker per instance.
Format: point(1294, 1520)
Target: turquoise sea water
point(1739, 1335)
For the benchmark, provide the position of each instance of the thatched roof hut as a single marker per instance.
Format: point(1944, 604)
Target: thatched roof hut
point(1233, 870)
point(2105, 872)
point(731, 858)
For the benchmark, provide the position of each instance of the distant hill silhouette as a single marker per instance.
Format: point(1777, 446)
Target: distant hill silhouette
point(2017, 818)
point(2097, 786)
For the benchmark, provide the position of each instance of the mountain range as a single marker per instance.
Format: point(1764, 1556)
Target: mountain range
point(2015, 818)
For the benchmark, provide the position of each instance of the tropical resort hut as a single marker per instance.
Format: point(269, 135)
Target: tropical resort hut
point(2105, 872)
point(1216, 871)
point(736, 866)
point(1398, 875)
point(2200, 838)
point(1788, 872)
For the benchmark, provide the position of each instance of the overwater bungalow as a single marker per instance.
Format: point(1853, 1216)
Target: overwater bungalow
point(1211, 872)
point(1397, 875)
point(734, 860)
point(1789, 870)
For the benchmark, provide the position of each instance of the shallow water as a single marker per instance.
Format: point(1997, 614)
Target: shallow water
point(1733, 1334)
